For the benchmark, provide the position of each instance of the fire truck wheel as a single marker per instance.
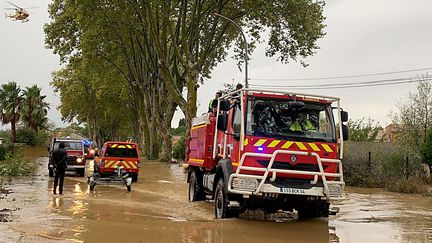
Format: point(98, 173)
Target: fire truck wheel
point(134, 178)
point(196, 192)
point(50, 173)
point(220, 203)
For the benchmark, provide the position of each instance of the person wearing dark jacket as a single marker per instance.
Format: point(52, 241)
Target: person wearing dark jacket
point(59, 157)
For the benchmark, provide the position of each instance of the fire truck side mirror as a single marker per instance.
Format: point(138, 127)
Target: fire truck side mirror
point(222, 122)
point(345, 132)
point(344, 116)
point(224, 105)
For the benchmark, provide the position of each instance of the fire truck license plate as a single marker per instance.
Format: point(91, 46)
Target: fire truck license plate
point(293, 190)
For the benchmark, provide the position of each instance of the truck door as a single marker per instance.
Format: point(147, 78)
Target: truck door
point(233, 141)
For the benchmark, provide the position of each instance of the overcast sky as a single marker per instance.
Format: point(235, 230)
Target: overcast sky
point(363, 37)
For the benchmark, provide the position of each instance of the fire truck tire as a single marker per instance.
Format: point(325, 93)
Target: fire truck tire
point(134, 178)
point(221, 203)
point(196, 191)
point(50, 173)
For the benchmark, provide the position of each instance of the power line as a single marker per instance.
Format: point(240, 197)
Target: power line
point(345, 86)
point(341, 77)
point(339, 84)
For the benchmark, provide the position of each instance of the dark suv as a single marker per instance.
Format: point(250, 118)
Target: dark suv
point(75, 151)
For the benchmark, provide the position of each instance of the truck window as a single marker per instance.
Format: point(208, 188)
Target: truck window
point(275, 118)
point(121, 152)
point(70, 145)
point(237, 120)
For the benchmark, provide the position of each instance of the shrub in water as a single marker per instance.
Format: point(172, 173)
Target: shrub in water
point(15, 165)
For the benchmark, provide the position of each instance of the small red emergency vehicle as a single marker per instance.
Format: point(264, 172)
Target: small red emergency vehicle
point(118, 154)
point(270, 150)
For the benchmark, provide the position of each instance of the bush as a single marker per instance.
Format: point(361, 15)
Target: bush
point(41, 137)
point(4, 149)
point(179, 149)
point(15, 165)
point(179, 131)
point(31, 137)
point(26, 135)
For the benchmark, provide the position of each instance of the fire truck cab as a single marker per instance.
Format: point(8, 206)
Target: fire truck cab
point(269, 150)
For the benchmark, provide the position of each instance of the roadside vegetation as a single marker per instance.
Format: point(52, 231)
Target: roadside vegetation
point(401, 162)
point(14, 165)
point(25, 110)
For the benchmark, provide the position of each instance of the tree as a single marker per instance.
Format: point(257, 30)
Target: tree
point(164, 49)
point(182, 122)
point(427, 148)
point(361, 130)
point(10, 104)
point(34, 109)
point(414, 115)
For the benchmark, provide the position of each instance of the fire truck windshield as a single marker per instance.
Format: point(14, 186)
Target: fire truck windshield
point(270, 117)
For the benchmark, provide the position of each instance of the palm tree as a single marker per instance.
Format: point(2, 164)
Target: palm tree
point(34, 109)
point(10, 102)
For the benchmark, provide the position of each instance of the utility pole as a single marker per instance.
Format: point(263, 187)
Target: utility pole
point(246, 46)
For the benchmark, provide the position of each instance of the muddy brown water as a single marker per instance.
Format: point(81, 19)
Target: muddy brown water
point(157, 210)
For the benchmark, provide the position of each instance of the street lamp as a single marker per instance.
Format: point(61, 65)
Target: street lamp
point(246, 46)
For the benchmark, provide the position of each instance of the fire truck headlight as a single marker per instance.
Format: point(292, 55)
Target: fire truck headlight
point(335, 190)
point(260, 149)
point(79, 160)
point(244, 184)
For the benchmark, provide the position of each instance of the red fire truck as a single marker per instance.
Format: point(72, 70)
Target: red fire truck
point(269, 150)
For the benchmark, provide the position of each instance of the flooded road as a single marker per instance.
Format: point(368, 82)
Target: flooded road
point(157, 210)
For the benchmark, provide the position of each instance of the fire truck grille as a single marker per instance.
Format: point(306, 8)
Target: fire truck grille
point(71, 160)
point(288, 166)
point(295, 183)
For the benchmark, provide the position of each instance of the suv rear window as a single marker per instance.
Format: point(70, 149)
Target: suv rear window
point(121, 150)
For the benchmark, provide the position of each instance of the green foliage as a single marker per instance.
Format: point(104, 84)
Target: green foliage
point(179, 131)
point(27, 136)
point(15, 165)
point(34, 109)
point(6, 136)
point(426, 148)
point(414, 115)
point(31, 137)
point(179, 149)
point(182, 122)
point(129, 69)
point(27, 105)
point(361, 130)
point(10, 103)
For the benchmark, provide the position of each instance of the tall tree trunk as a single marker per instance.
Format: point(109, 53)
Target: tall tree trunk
point(13, 128)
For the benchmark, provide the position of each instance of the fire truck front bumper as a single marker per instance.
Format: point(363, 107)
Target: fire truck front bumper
point(248, 186)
